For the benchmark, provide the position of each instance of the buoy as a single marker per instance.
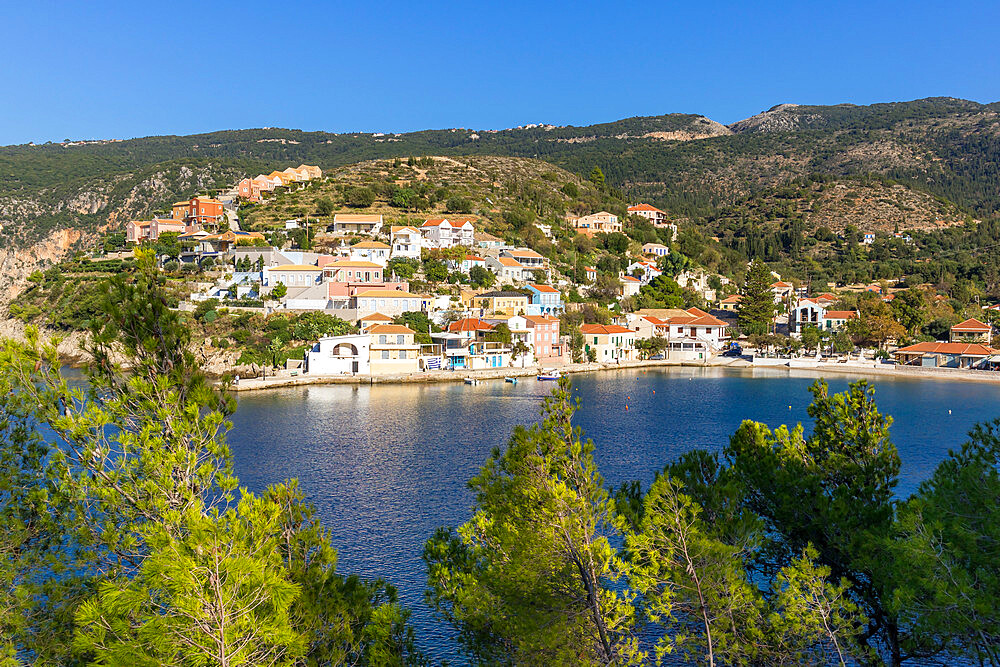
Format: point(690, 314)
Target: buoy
point(654, 392)
point(789, 407)
point(626, 408)
point(949, 412)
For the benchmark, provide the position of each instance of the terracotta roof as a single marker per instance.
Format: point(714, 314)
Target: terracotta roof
point(391, 328)
point(631, 279)
point(732, 298)
point(509, 261)
point(840, 315)
point(502, 294)
point(356, 217)
point(644, 207)
point(603, 329)
point(371, 244)
point(376, 317)
point(523, 253)
point(968, 349)
point(781, 284)
point(398, 228)
point(972, 324)
point(436, 222)
point(474, 258)
point(540, 319)
point(544, 288)
point(590, 268)
point(469, 324)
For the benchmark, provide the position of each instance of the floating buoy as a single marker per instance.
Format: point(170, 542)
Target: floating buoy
point(789, 407)
point(949, 412)
point(626, 408)
point(654, 392)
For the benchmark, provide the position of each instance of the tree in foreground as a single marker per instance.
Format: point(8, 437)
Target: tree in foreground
point(125, 537)
point(833, 492)
point(756, 309)
point(531, 578)
point(948, 555)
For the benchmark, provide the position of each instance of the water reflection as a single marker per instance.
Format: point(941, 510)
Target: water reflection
point(387, 464)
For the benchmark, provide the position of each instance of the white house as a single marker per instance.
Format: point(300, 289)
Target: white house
point(647, 271)
point(406, 241)
point(445, 233)
point(370, 251)
point(292, 275)
point(655, 249)
point(339, 355)
point(356, 223)
point(506, 268)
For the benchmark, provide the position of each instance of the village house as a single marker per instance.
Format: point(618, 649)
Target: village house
point(371, 251)
point(944, 355)
point(528, 258)
point(545, 341)
point(651, 213)
point(655, 249)
point(466, 263)
point(406, 241)
point(610, 343)
point(590, 273)
point(546, 299)
point(339, 355)
point(814, 312)
point(488, 241)
point(731, 302)
point(465, 346)
point(292, 275)
point(971, 331)
point(387, 301)
point(137, 231)
point(352, 271)
point(220, 244)
point(507, 268)
point(200, 211)
point(393, 350)
point(647, 271)
point(630, 286)
point(356, 223)
point(507, 303)
point(369, 321)
point(445, 233)
point(597, 223)
point(249, 189)
point(782, 291)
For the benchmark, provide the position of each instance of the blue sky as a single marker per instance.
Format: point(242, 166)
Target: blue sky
point(127, 69)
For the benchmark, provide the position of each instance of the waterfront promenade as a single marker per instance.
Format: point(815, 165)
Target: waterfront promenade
point(860, 368)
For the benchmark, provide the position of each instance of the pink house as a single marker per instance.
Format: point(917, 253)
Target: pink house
point(545, 334)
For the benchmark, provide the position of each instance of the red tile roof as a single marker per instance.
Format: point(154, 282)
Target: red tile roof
point(390, 329)
point(966, 349)
point(469, 324)
point(544, 288)
point(972, 324)
point(644, 207)
point(840, 315)
point(603, 329)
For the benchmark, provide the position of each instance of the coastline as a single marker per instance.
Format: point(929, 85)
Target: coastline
point(864, 369)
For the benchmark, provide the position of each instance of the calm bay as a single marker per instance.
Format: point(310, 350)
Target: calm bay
point(386, 465)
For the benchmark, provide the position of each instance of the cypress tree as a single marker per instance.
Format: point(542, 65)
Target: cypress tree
point(756, 309)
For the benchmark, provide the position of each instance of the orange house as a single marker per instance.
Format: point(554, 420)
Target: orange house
point(199, 210)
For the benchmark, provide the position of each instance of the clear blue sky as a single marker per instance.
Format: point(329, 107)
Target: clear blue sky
point(127, 69)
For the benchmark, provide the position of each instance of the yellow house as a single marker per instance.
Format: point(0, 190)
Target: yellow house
point(507, 303)
point(393, 349)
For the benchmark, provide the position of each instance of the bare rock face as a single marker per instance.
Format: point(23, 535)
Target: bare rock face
point(780, 118)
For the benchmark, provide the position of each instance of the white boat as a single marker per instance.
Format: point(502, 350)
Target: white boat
point(512, 380)
point(471, 381)
point(549, 374)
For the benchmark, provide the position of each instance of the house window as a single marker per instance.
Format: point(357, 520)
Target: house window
point(381, 339)
point(385, 354)
point(402, 354)
point(399, 339)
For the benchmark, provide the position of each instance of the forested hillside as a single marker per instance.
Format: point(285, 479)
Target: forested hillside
point(928, 163)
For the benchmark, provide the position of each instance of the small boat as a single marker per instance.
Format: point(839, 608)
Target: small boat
point(512, 380)
point(471, 381)
point(549, 374)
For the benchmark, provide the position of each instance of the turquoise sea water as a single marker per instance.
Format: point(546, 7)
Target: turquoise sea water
point(387, 464)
